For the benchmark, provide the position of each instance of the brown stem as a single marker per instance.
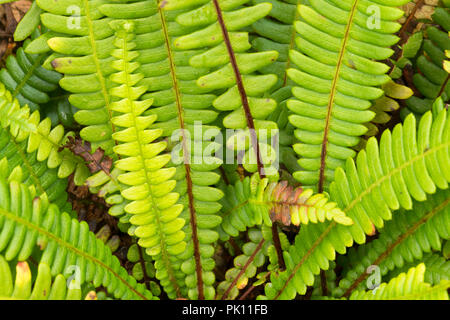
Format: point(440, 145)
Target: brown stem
point(247, 292)
point(401, 33)
point(144, 269)
point(323, 282)
point(224, 175)
point(247, 264)
point(441, 91)
point(277, 244)
point(237, 250)
point(240, 86)
point(251, 288)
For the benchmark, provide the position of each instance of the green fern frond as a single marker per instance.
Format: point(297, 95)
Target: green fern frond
point(25, 168)
point(431, 80)
point(27, 80)
point(27, 221)
point(405, 238)
point(233, 70)
point(407, 286)
point(337, 76)
point(406, 164)
point(177, 103)
point(39, 137)
point(82, 46)
point(152, 204)
point(437, 268)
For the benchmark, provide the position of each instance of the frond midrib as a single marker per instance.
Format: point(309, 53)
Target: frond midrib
point(180, 113)
point(241, 89)
point(27, 163)
point(27, 76)
point(334, 83)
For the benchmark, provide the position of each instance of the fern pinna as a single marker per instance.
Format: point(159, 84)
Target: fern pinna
point(42, 289)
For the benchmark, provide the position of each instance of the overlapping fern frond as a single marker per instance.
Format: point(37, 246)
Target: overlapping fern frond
point(38, 136)
point(403, 240)
point(407, 286)
point(148, 186)
point(27, 222)
point(233, 71)
point(241, 150)
point(27, 80)
point(337, 76)
point(431, 79)
point(408, 163)
point(437, 268)
point(82, 53)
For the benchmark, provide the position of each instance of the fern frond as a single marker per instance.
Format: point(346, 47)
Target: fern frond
point(234, 71)
point(25, 168)
point(405, 238)
point(407, 286)
point(177, 103)
point(336, 78)
point(152, 204)
point(44, 287)
point(437, 268)
point(406, 164)
point(82, 47)
point(27, 80)
point(39, 137)
point(27, 221)
point(255, 201)
point(431, 80)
